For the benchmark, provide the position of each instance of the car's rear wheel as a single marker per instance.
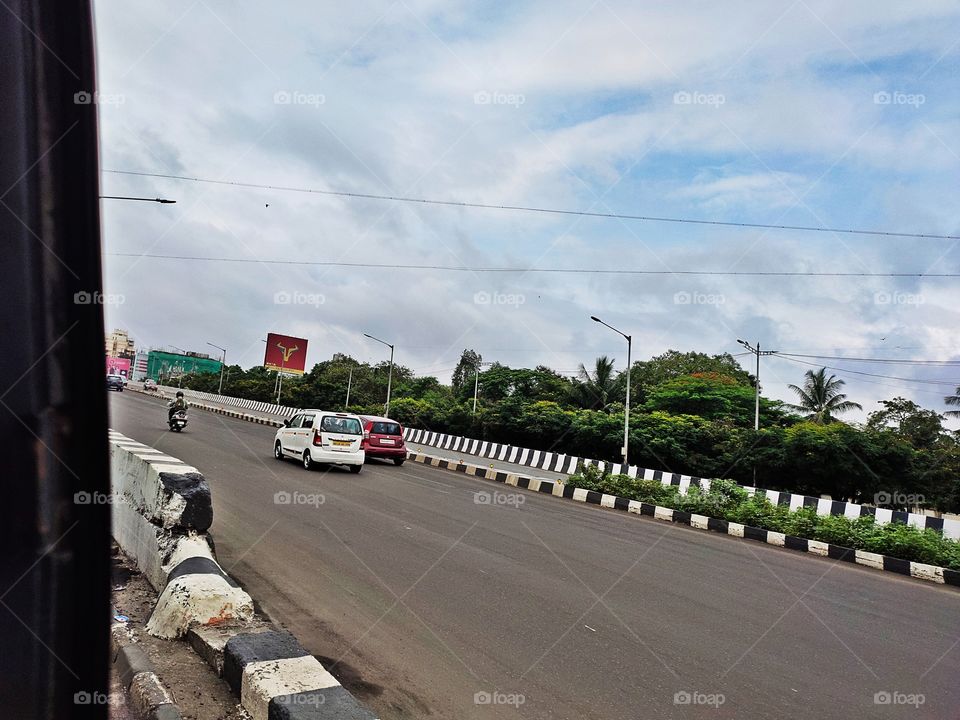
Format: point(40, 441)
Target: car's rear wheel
point(278, 450)
point(398, 461)
point(307, 460)
point(356, 468)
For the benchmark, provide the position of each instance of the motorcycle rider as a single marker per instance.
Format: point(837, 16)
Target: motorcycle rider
point(176, 405)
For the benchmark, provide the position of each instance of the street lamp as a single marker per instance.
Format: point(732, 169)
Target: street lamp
point(162, 201)
point(626, 411)
point(180, 374)
point(223, 363)
point(386, 410)
point(476, 383)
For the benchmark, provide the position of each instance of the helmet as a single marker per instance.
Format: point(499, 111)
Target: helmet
point(179, 393)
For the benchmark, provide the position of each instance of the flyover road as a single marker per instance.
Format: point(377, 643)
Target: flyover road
point(421, 597)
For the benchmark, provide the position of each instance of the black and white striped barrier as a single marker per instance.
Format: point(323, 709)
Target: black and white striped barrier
point(161, 511)
point(277, 679)
point(920, 571)
point(137, 676)
point(567, 464)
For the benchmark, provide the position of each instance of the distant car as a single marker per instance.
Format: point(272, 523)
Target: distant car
point(383, 438)
point(318, 436)
point(149, 384)
point(115, 382)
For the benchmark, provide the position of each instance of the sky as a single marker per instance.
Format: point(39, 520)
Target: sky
point(836, 115)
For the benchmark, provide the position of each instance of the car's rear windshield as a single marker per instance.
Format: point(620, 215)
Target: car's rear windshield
point(348, 426)
point(385, 428)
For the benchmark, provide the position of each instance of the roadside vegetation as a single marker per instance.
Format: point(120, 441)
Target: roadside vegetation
point(728, 501)
point(691, 413)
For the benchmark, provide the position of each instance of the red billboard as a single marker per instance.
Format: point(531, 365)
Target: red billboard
point(118, 366)
point(285, 353)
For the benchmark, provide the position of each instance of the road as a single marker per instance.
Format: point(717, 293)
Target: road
point(425, 597)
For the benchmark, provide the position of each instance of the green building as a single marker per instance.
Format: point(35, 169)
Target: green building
point(168, 364)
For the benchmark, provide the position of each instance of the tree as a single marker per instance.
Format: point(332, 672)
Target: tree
point(708, 395)
point(646, 375)
point(953, 400)
point(594, 390)
point(922, 428)
point(463, 374)
point(820, 397)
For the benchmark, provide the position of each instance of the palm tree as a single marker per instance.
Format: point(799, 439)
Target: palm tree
point(595, 390)
point(953, 400)
point(820, 397)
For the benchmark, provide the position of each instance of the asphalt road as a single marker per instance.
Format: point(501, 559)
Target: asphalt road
point(425, 597)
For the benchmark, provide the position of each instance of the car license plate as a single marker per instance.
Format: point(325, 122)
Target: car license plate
point(341, 443)
point(385, 441)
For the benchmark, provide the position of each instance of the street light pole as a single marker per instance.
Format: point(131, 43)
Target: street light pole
point(223, 364)
point(476, 383)
point(386, 410)
point(626, 410)
point(349, 383)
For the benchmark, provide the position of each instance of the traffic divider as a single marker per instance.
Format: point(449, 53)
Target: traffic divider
point(920, 571)
point(567, 464)
point(161, 510)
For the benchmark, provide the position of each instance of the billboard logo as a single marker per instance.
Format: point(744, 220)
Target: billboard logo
point(285, 354)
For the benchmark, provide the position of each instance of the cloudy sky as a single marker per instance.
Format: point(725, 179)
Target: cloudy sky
point(841, 115)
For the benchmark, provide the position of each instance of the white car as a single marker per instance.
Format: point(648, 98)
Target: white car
point(318, 436)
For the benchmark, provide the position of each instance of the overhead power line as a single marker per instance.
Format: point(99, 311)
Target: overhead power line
point(527, 208)
point(950, 383)
point(574, 271)
point(934, 363)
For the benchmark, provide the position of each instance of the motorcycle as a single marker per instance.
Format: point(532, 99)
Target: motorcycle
point(178, 421)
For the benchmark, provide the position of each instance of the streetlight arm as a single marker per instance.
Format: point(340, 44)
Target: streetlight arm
point(596, 319)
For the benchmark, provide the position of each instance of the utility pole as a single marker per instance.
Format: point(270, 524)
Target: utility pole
point(758, 352)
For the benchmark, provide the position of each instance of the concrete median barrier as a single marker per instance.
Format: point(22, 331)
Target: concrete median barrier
point(161, 511)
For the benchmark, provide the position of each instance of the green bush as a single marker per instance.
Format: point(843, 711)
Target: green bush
point(728, 501)
point(648, 491)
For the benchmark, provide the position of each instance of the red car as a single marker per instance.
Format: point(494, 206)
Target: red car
point(383, 438)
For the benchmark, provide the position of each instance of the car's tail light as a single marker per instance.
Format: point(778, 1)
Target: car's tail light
point(317, 438)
